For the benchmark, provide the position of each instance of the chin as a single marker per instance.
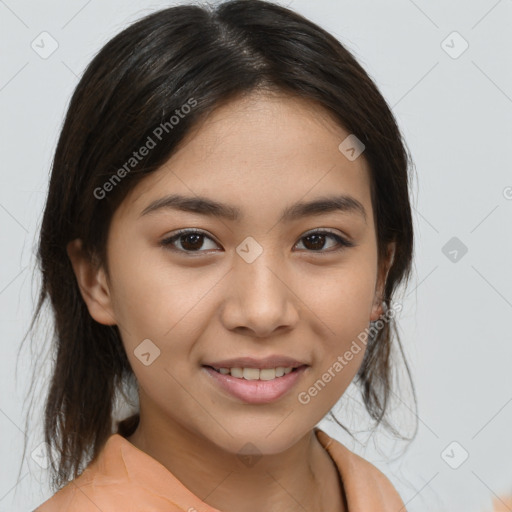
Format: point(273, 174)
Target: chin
point(257, 440)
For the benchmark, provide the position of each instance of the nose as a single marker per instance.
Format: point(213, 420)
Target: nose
point(260, 298)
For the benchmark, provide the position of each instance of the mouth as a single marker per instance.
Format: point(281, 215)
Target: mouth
point(250, 373)
point(255, 385)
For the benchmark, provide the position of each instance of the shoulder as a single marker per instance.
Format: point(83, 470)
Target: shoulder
point(503, 504)
point(71, 498)
point(120, 478)
point(84, 493)
point(363, 482)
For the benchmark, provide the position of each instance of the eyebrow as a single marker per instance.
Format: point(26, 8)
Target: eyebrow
point(205, 206)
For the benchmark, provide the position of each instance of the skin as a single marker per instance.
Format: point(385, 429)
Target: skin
point(213, 305)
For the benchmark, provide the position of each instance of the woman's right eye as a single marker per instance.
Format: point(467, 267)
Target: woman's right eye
point(190, 241)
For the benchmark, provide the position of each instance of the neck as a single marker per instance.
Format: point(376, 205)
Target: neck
point(304, 476)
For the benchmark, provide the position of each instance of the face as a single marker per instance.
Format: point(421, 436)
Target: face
point(267, 278)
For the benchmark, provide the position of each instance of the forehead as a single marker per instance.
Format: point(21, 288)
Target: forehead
point(264, 150)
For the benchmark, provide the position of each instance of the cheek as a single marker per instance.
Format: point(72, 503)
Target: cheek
point(344, 299)
point(148, 296)
point(168, 305)
point(344, 306)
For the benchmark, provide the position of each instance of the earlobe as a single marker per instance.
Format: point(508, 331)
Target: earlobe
point(377, 308)
point(92, 282)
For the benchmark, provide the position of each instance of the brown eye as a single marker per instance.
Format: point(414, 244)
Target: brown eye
point(189, 240)
point(315, 241)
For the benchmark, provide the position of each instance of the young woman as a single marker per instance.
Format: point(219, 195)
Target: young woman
point(227, 222)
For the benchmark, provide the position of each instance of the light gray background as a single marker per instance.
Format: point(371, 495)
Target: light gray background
point(456, 115)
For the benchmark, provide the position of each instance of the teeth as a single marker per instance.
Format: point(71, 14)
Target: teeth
point(280, 371)
point(267, 374)
point(237, 372)
point(255, 373)
point(251, 373)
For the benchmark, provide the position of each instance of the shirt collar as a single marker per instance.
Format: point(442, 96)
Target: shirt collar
point(366, 487)
point(123, 476)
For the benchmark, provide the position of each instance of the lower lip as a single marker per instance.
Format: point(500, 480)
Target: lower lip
point(257, 391)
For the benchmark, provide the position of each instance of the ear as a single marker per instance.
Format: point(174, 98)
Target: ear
point(92, 282)
point(377, 309)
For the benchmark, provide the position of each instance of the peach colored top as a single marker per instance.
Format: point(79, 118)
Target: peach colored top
point(126, 479)
point(503, 504)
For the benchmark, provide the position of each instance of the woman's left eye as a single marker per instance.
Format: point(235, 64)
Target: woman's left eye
point(317, 240)
point(193, 240)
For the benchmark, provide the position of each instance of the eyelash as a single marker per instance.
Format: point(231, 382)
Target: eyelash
point(168, 242)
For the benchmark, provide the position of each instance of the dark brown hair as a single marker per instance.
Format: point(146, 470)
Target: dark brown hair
point(137, 82)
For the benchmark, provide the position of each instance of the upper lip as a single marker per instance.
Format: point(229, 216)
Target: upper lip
point(251, 362)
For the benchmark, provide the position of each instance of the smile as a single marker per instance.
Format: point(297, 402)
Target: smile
point(255, 373)
point(253, 385)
